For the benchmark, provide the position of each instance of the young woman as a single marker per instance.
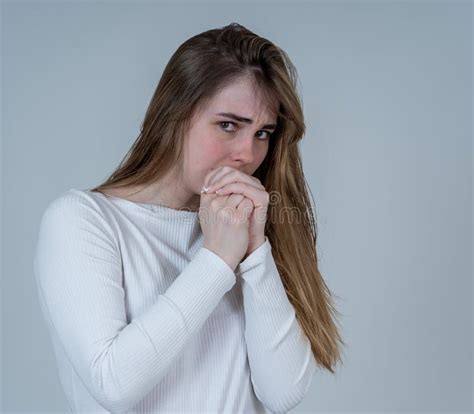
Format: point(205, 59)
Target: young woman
point(162, 293)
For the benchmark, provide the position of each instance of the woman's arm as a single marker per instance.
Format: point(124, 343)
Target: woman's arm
point(79, 279)
point(280, 358)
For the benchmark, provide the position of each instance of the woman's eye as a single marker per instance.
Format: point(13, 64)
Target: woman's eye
point(268, 135)
point(224, 123)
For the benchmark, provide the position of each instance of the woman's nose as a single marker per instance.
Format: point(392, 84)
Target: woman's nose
point(244, 150)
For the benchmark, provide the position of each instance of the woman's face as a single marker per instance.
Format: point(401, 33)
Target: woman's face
point(216, 140)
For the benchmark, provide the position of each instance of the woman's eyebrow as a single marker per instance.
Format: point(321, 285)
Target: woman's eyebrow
point(242, 119)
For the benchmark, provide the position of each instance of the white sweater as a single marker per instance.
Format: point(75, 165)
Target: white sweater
point(143, 318)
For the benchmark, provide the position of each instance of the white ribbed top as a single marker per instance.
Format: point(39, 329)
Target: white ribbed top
point(143, 318)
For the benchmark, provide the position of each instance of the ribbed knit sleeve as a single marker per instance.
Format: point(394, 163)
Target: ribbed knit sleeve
point(280, 358)
point(79, 278)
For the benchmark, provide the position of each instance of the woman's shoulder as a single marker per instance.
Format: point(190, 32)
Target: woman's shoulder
point(76, 215)
point(76, 205)
point(74, 199)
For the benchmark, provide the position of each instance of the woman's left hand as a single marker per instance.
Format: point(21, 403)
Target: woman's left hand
point(229, 180)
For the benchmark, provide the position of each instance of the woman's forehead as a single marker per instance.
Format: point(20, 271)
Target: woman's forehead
point(244, 104)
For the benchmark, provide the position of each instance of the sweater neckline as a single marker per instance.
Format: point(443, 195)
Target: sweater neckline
point(158, 210)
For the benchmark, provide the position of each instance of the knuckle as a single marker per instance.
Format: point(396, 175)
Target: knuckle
point(236, 197)
point(235, 174)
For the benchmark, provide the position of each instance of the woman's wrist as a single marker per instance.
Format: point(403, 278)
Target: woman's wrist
point(254, 247)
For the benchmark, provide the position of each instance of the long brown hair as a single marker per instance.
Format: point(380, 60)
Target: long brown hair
point(200, 67)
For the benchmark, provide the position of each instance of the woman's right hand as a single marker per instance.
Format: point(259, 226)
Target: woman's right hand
point(225, 225)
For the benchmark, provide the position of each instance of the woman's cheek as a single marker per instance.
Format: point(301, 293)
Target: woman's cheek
point(214, 150)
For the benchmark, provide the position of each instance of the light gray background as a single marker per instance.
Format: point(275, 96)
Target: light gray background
point(387, 92)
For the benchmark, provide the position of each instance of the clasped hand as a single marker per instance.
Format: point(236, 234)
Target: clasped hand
point(227, 180)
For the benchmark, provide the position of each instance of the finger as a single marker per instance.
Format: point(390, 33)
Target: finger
point(230, 200)
point(258, 197)
point(245, 207)
point(210, 176)
point(207, 177)
point(213, 177)
point(208, 197)
point(234, 199)
point(233, 176)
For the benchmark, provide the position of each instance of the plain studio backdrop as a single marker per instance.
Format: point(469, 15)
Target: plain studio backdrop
point(387, 94)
